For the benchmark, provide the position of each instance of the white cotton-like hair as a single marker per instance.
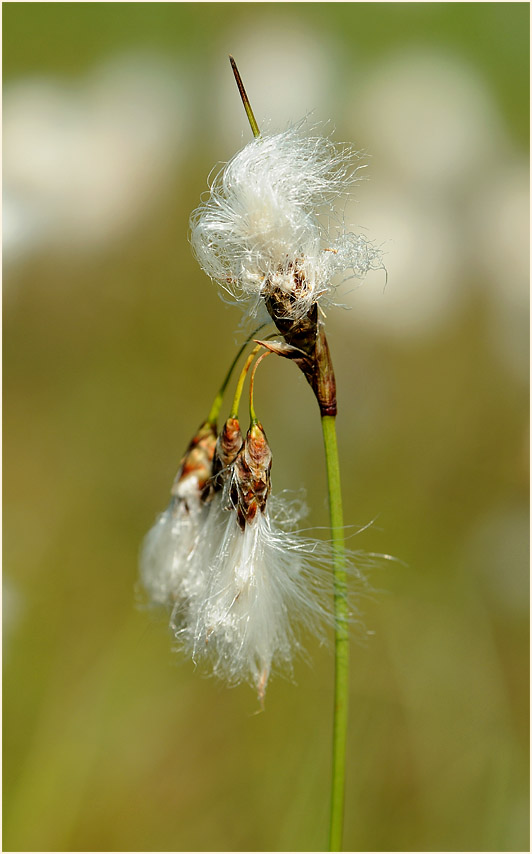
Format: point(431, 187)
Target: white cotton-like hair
point(167, 562)
point(260, 229)
point(261, 590)
point(195, 581)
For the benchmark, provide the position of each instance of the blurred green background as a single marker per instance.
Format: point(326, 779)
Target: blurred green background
point(114, 344)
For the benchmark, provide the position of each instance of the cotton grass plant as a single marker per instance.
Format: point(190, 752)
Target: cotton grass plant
point(242, 581)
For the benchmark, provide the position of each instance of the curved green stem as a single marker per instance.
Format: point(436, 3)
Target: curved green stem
point(217, 402)
point(252, 414)
point(341, 681)
point(241, 381)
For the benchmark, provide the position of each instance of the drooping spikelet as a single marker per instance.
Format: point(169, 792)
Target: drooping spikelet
point(260, 231)
point(210, 531)
point(226, 557)
point(167, 557)
point(264, 583)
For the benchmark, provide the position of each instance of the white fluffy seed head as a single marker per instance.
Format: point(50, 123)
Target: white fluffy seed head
point(259, 592)
point(260, 228)
point(243, 587)
point(244, 619)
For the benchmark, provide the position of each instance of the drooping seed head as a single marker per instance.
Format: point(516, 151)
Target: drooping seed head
point(166, 564)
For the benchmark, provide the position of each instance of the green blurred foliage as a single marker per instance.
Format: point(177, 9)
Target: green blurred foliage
point(112, 742)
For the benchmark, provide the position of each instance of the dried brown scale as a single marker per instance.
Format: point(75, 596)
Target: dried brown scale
point(284, 302)
point(228, 445)
point(251, 476)
point(300, 332)
point(307, 347)
point(197, 459)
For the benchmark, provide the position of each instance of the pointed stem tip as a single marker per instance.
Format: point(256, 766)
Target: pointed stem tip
point(245, 99)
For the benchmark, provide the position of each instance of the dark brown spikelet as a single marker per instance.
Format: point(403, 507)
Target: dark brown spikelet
point(251, 476)
point(198, 459)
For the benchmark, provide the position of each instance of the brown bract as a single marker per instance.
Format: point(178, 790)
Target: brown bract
point(305, 343)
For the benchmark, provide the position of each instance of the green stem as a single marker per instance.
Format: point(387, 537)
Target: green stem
point(241, 381)
point(217, 402)
point(341, 681)
point(252, 414)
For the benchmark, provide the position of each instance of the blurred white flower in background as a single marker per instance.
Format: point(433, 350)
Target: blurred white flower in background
point(422, 256)
point(84, 162)
point(429, 120)
point(448, 197)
